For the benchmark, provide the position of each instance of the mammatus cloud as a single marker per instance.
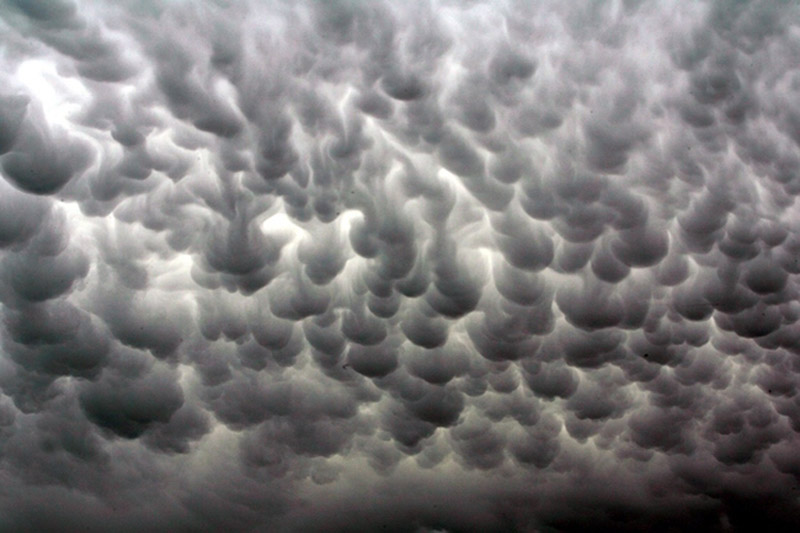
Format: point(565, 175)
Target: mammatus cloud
point(402, 266)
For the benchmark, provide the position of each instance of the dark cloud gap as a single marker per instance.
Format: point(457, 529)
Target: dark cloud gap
point(436, 266)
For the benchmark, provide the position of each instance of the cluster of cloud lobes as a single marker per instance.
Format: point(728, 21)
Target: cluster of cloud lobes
point(402, 266)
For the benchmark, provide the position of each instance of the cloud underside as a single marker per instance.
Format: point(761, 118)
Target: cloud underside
point(424, 266)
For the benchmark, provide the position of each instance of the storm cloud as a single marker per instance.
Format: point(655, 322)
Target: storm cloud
point(399, 266)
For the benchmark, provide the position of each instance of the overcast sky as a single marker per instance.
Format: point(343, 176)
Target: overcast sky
point(411, 266)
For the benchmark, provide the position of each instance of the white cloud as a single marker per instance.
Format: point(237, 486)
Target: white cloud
point(435, 266)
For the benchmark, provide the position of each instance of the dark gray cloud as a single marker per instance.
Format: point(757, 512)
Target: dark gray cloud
point(385, 266)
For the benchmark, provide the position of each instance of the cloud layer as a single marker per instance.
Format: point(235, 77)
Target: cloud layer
point(402, 266)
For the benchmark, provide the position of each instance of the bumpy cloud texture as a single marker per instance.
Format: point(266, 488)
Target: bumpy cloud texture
point(404, 266)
